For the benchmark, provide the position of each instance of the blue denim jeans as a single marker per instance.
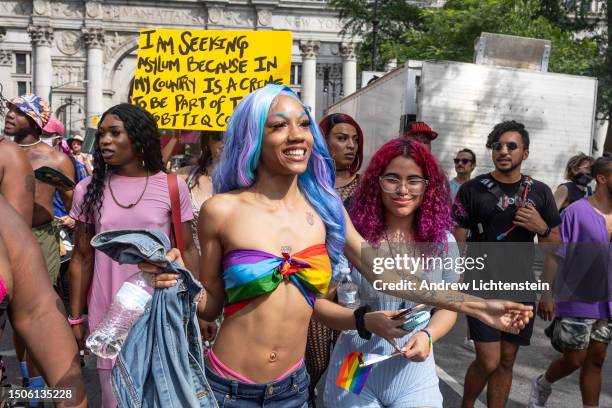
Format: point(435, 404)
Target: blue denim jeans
point(290, 392)
point(160, 363)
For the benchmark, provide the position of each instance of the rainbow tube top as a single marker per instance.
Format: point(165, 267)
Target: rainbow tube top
point(249, 273)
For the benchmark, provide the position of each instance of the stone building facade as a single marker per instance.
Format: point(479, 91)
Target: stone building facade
point(82, 53)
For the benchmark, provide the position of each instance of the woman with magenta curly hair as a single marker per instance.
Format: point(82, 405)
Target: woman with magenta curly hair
point(401, 207)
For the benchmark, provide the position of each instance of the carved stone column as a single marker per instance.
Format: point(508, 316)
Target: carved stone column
point(94, 41)
point(348, 50)
point(42, 37)
point(310, 51)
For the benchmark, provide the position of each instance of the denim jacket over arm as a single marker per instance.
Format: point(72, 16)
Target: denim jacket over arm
point(161, 362)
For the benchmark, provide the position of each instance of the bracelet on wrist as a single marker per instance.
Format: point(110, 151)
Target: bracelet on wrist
point(359, 314)
point(73, 321)
point(430, 338)
point(546, 233)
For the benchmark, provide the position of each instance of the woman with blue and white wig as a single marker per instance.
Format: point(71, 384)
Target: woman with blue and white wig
point(269, 238)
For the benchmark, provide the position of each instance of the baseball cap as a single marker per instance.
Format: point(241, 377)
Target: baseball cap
point(33, 106)
point(54, 126)
point(422, 128)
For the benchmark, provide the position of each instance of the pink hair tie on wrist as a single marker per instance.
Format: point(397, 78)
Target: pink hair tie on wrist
point(74, 321)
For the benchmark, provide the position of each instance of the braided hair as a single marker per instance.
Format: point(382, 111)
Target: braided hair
point(143, 133)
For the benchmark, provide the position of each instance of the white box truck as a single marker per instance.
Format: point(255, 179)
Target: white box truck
point(463, 101)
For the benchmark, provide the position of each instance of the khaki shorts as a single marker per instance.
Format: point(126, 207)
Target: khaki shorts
point(48, 239)
point(575, 333)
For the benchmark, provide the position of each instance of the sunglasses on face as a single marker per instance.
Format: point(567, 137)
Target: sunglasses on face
point(497, 146)
point(462, 161)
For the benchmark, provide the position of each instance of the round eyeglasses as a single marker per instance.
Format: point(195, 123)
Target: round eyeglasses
point(414, 185)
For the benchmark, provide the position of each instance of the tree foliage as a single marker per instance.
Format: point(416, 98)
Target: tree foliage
point(394, 18)
point(451, 31)
point(579, 46)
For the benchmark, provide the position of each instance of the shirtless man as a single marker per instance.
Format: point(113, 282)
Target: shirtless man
point(41, 324)
point(27, 116)
point(17, 188)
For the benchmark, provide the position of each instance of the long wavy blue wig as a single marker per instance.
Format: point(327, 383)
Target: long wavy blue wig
point(240, 158)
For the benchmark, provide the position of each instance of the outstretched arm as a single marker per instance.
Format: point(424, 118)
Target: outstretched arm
point(503, 315)
point(35, 311)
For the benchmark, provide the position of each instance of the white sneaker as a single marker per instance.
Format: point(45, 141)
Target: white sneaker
point(539, 394)
point(468, 344)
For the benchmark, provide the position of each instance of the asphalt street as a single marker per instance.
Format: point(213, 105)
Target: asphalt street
point(452, 360)
point(531, 361)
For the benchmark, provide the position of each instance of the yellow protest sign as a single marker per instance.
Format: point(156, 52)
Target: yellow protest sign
point(193, 79)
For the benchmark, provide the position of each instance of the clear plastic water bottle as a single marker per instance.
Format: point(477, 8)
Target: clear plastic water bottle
point(127, 306)
point(348, 292)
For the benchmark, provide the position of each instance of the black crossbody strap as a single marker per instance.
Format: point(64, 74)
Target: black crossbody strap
point(502, 198)
point(493, 188)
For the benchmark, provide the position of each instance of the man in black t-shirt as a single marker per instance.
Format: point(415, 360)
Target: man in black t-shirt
point(499, 214)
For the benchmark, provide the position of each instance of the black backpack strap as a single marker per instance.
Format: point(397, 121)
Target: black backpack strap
point(502, 199)
point(494, 189)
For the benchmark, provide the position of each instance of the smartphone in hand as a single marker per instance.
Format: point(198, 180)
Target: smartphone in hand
point(416, 320)
point(406, 312)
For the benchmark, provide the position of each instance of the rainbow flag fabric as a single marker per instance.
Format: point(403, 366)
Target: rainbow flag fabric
point(352, 377)
point(250, 273)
